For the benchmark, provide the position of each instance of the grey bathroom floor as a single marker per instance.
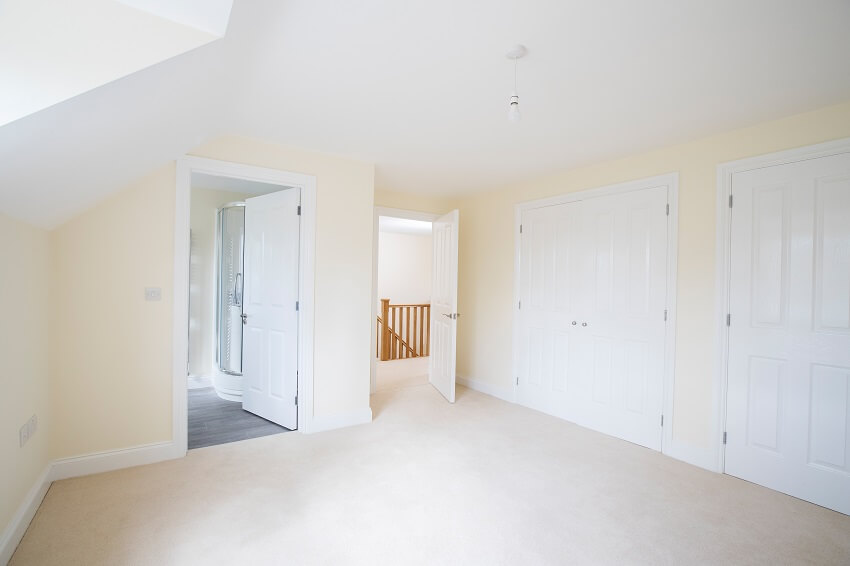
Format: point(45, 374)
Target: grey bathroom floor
point(213, 420)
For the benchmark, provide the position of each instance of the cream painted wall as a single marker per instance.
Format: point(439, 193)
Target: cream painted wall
point(487, 253)
point(202, 269)
point(25, 299)
point(409, 201)
point(404, 268)
point(112, 350)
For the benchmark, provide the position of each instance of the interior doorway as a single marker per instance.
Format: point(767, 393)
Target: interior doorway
point(243, 286)
point(414, 287)
point(243, 348)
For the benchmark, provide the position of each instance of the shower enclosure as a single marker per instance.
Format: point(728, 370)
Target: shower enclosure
point(230, 247)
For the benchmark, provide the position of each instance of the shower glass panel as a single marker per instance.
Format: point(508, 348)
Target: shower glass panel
point(231, 247)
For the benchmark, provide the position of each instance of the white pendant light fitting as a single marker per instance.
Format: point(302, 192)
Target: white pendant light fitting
point(515, 53)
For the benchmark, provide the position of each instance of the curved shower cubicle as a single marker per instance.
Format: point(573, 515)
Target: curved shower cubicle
point(230, 253)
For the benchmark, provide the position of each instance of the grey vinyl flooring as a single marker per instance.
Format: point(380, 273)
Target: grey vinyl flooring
point(212, 420)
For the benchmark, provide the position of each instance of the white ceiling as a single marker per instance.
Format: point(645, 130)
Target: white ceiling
point(404, 226)
point(421, 89)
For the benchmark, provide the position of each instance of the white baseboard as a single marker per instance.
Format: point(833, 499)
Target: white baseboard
point(113, 460)
point(497, 391)
point(14, 531)
point(705, 458)
point(320, 424)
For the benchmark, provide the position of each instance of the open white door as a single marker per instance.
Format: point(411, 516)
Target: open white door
point(444, 305)
point(270, 342)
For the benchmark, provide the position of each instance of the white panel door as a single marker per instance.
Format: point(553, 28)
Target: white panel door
point(593, 284)
point(621, 319)
point(270, 351)
point(550, 302)
point(441, 371)
point(788, 400)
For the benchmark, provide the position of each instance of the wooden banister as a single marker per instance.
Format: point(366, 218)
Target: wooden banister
point(403, 331)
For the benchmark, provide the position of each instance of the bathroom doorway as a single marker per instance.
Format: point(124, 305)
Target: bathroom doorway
point(242, 350)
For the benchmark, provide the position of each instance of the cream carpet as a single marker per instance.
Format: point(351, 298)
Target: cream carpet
point(401, 373)
point(478, 482)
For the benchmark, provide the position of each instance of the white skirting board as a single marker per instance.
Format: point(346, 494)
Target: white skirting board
point(113, 460)
point(16, 528)
point(497, 391)
point(64, 468)
point(321, 424)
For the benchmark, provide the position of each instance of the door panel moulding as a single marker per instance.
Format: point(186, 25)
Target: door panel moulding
point(724, 206)
point(671, 182)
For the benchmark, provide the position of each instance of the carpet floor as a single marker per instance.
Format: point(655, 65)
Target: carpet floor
point(478, 482)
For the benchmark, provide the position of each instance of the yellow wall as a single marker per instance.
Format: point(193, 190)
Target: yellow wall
point(111, 364)
point(112, 350)
point(487, 253)
point(410, 201)
point(24, 296)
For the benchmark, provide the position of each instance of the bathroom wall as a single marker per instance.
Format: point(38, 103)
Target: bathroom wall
point(24, 302)
point(204, 207)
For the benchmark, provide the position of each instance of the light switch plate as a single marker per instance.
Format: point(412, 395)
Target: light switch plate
point(153, 293)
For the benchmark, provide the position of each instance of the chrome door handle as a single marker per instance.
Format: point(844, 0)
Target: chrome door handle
point(453, 315)
point(244, 318)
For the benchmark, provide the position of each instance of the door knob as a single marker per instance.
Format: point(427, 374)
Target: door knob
point(244, 318)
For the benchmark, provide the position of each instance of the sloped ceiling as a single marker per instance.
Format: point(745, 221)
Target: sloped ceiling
point(51, 50)
point(421, 90)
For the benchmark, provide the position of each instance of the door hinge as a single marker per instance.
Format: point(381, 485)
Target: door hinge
point(662, 420)
point(297, 305)
point(520, 228)
point(665, 315)
point(668, 209)
point(730, 201)
point(724, 437)
point(299, 210)
point(517, 380)
point(296, 399)
point(519, 305)
point(728, 320)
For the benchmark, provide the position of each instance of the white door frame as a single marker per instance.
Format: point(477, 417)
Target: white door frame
point(723, 273)
point(671, 180)
point(394, 213)
point(180, 337)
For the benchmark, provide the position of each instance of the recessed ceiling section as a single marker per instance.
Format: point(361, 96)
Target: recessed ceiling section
point(232, 184)
point(395, 225)
point(52, 50)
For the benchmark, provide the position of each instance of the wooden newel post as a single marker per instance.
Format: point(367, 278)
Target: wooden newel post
point(385, 332)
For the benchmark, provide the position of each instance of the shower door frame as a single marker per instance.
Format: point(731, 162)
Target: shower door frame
point(306, 275)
